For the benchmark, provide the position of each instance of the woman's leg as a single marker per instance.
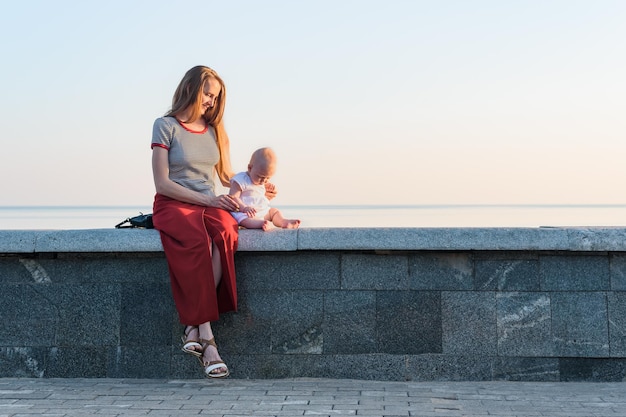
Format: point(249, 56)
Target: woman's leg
point(222, 232)
point(191, 340)
point(210, 351)
point(217, 264)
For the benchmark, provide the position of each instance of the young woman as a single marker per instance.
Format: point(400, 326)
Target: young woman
point(199, 236)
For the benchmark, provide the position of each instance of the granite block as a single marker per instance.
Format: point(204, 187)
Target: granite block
point(408, 322)
point(277, 240)
point(99, 240)
point(350, 322)
point(18, 241)
point(441, 271)
point(355, 238)
point(617, 262)
point(469, 323)
point(574, 272)
point(380, 367)
point(86, 314)
point(146, 315)
point(132, 362)
point(285, 271)
point(374, 272)
point(449, 368)
point(597, 239)
point(508, 368)
point(22, 362)
point(186, 366)
point(245, 332)
point(20, 270)
point(592, 370)
point(296, 320)
point(524, 326)
point(434, 238)
point(28, 316)
point(507, 275)
point(304, 239)
point(617, 324)
point(580, 324)
point(79, 268)
point(263, 366)
point(77, 362)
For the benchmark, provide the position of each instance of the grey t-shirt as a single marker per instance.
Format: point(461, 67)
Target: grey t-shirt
point(192, 155)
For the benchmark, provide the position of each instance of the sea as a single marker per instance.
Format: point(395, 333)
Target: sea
point(353, 216)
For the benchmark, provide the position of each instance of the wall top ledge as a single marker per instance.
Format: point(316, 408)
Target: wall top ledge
point(140, 240)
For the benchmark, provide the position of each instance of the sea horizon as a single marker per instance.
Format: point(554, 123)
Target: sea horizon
point(55, 217)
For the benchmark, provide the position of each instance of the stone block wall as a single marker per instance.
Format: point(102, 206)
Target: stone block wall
point(505, 313)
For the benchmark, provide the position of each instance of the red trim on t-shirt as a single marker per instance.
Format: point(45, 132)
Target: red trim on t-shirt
point(192, 131)
point(160, 145)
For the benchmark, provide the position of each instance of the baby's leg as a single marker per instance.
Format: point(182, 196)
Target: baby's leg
point(279, 221)
point(255, 224)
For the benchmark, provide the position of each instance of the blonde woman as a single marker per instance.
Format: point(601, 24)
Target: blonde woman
point(199, 236)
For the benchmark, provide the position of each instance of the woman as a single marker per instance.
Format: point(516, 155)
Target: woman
point(199, 236)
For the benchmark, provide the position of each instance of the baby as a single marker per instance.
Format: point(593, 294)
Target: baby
point(248, 189)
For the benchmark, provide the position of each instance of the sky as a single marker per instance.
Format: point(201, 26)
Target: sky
point(365, 102)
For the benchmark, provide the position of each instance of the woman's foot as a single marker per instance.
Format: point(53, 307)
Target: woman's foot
point(214, 366)
point(190, 340)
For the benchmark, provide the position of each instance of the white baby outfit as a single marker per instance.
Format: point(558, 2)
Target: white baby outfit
point(252, 195)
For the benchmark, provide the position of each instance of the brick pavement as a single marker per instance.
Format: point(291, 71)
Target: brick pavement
point(306, 397)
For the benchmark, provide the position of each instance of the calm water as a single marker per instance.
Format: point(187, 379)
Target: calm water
point(40, 217)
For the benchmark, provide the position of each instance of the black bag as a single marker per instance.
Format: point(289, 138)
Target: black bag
point(143, 220)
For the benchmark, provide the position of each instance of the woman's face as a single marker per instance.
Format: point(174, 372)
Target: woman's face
point(210, 91)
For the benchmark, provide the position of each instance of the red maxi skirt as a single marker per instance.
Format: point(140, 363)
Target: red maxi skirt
point(187, 233)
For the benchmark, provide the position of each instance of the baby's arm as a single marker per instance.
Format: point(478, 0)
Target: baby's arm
point(235, 193)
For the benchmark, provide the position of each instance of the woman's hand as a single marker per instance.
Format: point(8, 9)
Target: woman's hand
point(225, 202)
point(270, 190)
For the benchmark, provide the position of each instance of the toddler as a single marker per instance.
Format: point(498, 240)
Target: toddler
point(248, 189)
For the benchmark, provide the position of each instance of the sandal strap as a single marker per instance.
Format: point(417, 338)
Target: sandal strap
point(189, 329)
point(210, 342)
point(191, 343)
point(213, 365)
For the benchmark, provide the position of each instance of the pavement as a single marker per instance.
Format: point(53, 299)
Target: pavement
point(306, 397)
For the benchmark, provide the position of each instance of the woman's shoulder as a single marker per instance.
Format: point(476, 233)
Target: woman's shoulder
point(165, 121)
point(164, 130)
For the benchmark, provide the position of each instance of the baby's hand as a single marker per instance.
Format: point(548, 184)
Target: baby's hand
point(250, 211)
point(270, 190)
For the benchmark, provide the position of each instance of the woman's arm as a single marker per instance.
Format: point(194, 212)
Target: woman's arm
point(168, 188)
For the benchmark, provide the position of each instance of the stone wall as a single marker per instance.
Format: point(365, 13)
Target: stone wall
point(543, 304)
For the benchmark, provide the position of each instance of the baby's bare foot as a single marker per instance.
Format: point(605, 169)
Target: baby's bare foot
point(267, 225)
point(291, 224)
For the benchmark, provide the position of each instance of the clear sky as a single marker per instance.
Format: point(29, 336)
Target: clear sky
point(364, 102)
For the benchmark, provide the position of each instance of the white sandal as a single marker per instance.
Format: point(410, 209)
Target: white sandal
point(189, 344)
point(212, 365)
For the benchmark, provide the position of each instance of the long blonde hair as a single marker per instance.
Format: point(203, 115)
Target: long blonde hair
point(188, 95)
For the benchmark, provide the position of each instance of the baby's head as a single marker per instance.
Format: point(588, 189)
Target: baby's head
point(262, 166)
